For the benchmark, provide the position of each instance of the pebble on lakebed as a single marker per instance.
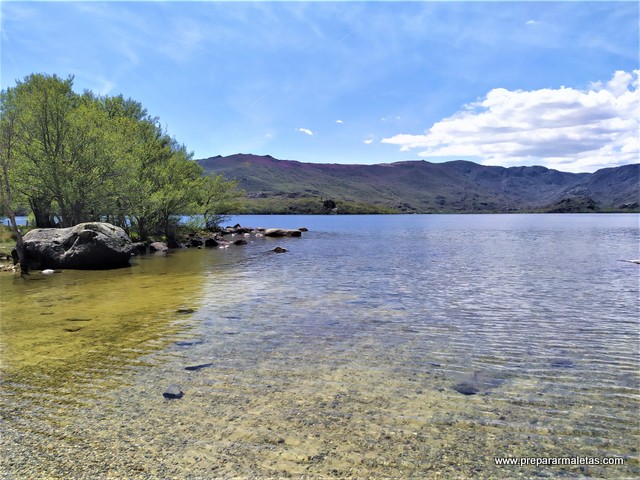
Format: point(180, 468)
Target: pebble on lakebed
point(173, 392)
point(562, 363)
point(198, 367)
point(186, 311)
point(466, 388)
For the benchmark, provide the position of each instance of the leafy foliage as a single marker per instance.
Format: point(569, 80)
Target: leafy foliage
point(218, 197)
point(80, 157)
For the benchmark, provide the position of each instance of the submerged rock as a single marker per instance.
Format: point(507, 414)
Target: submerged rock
point(198, 367)
point(188, 343)
point(636, 261)
point(562, 363)
point(479, 381)
point(186, 311)
point(173, 392)
point(466, 388)
point(279, 250)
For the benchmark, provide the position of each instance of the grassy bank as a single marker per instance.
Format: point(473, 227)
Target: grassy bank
point(7, 241)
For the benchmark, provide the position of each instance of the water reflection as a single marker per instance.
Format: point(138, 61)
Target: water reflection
point(70, 320)
point(420, 354)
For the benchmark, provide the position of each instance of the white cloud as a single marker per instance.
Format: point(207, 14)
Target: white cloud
point(339, 121)
point(305, 130)
point(531, 22)
point(368, 141)
point(566, 128)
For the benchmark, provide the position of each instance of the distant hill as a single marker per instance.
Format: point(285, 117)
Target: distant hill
point(286, 186)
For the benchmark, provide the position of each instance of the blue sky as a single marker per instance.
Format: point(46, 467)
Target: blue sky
point(499, 83)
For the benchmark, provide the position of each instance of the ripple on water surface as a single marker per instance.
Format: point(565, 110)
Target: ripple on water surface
point(419, 354)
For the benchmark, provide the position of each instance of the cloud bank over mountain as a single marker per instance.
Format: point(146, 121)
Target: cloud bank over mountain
point(566, 128)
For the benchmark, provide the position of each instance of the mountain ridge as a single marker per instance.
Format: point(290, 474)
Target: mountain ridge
point(419, 186)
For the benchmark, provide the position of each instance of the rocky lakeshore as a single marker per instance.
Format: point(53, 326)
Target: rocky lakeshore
point(101, 246)
point(236, 235)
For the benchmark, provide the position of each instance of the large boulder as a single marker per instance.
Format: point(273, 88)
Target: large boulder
point(93, 245)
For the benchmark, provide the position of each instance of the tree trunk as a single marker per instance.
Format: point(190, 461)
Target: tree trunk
point(22, 260)
point(41, 213)
point(10, 214)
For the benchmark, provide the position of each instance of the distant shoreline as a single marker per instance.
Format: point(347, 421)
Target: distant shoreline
point(22, 220)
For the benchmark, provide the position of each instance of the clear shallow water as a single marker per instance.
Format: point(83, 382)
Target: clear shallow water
point(339, 358)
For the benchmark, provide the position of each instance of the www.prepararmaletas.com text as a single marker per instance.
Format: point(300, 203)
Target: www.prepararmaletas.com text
point(577, 461)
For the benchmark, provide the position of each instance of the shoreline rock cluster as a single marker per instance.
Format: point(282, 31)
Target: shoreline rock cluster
point(100, 245)
point(236, 235)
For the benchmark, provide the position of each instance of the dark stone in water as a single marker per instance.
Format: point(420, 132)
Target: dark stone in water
point(138, 248)
point(487, 379)
point(198, 367)
point(280, 250)
point(562, 363)
point(210, 242)
point(183, 343)
point(434, 364)
point(78, 319)
point(71, 330)
point(186, 311)
point(173, 392)
point(466, 388)
point(480, 380)
point(195, 242)
point(410, 330)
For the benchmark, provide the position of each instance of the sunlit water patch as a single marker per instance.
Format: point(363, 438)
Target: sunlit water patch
point(382, 346)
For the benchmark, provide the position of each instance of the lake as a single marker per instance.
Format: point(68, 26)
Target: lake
point(417, 346)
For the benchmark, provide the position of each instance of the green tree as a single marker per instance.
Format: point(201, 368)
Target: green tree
point(77, 158)
point(44, 104)
point(8, 158)
point(133, 135)
point(149, 153)
point(218, 198)
point(88, 191)
point(175, 189)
